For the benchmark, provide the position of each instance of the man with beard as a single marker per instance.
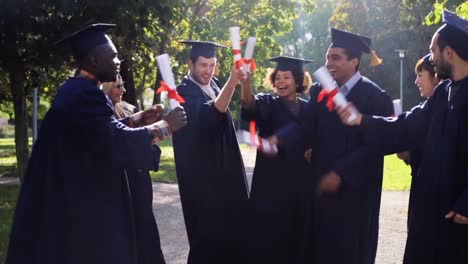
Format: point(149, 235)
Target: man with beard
point(209, 166)
point(75, 205)
point(345, 214)
point(438, 228)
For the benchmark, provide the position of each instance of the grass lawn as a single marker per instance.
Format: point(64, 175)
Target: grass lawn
point(8, 195)
point(397, 175)
point(166, 172)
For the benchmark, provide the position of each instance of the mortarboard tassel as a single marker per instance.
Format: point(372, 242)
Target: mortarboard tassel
point(375, 60)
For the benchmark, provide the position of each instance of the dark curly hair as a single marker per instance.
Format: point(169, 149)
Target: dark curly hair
point(301, 77)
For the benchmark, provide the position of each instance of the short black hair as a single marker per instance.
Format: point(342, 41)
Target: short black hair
point(353, 55)
point(442, 42)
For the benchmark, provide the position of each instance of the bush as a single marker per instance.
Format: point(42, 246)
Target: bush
point(7, 131)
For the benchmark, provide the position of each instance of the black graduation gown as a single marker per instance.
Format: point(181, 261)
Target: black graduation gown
point(211, 178)
point(442, 182)
point(75, 205)
point(147, 234)
point(345, 223)
point(148, 245)
point(277, 202)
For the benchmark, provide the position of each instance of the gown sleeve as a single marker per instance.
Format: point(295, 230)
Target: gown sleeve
point(93, 120)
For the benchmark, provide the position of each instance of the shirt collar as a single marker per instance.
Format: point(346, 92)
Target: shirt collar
point(346, 88)
point(199, 84)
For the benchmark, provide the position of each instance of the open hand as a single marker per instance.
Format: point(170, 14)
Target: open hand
point(457, 218)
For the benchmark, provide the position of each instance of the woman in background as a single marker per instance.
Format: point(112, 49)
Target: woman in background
point(140, 185)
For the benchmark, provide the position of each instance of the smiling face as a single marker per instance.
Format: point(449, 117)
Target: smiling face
point(340, 66)
point(116, 91)
point(285, 84)
point(203, 69)
point(426, 83)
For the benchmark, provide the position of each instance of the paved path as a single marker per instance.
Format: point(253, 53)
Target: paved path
point(167, 209)
point(174, 240)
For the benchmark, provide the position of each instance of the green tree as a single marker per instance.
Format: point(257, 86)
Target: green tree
point(28, 30)
point(267, 20)
point(392, 25)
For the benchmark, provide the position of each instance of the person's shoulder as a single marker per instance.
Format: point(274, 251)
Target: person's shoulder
point(184, 86)
point(267, 96)
point(215, 81)
point(70, 90)
point(301, 100)
point(370, 86)
point(368, 83)
point(315, 90)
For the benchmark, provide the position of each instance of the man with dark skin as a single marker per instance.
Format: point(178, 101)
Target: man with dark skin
point(75, 205)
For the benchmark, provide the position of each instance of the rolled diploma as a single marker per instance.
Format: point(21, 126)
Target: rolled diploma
point(397, 108)
point(165, 69)
point(265, 145)
point(235, 40)
point(323, 76)
point(249, 50)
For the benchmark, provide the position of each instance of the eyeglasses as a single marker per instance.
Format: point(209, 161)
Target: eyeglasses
point(119, 86)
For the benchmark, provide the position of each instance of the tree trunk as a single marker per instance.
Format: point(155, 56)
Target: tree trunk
point(17, 80)
point(16, 70)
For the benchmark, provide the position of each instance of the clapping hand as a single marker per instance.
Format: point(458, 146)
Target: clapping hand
point(153, 114)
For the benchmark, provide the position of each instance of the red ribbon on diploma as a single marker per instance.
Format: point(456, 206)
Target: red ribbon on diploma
point(253, 135)
point(171, 93)
point(330, 95)
point(252, 63)
point(238, 63)
point(253, 132)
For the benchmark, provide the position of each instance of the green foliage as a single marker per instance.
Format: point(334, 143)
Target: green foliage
point(391, 25)
point(7, 155)
point(7, 132)
point(435, 16)
point(8, 197)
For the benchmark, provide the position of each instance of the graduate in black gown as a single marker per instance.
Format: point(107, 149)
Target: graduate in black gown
point(438, 227)
point(210, 170)
point(75, 205)
point(148, 246)
point(426, 81)
point(346, 210)
point(277, 201)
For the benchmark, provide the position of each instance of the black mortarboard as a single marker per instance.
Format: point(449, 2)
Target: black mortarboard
point(285, 63)
point(355, 43)
point(206, 49)
point(86, 39)
point(427, 59)
point(454, 31)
